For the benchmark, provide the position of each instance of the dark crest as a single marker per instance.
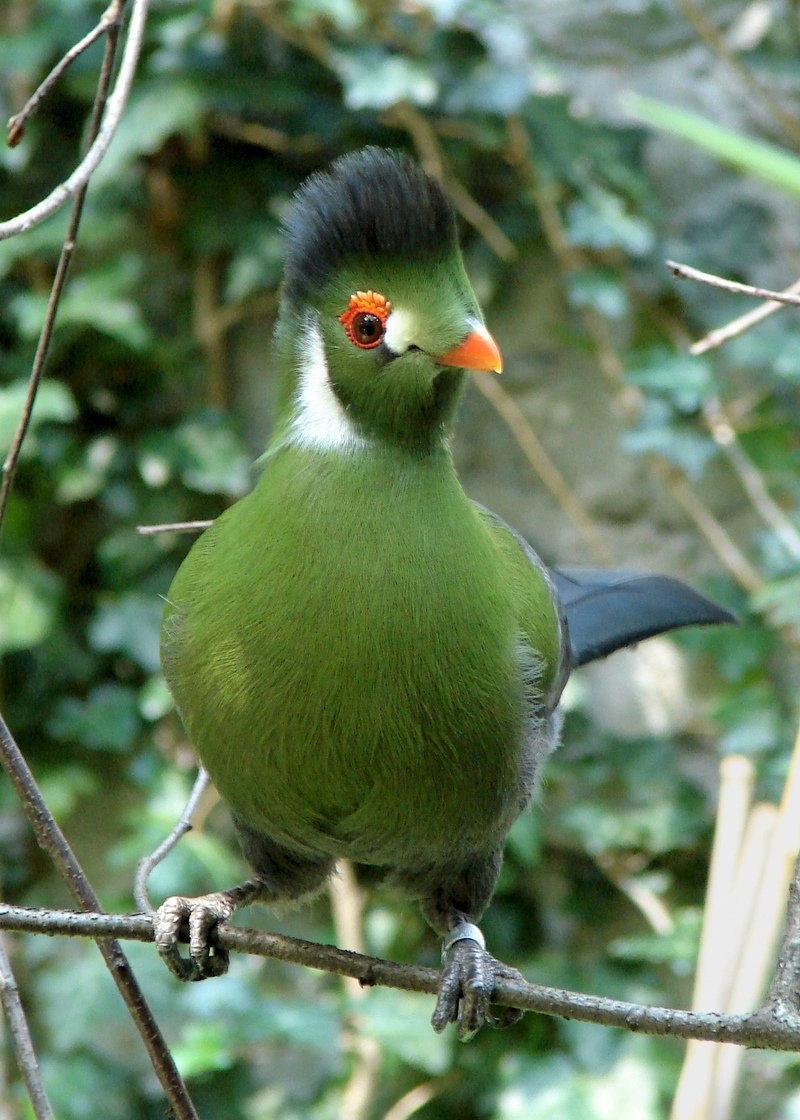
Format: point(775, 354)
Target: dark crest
point(370, 204)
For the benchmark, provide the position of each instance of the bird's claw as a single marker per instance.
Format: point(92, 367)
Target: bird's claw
point(195, 919)
point(468, 977)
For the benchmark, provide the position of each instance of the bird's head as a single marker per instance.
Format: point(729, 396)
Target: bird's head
point(378, 319)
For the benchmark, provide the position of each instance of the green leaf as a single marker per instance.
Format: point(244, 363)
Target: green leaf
point(780, 601)
point(153, 114)
point(678, 948)
point(400, 1021)
point(106, 720)
point(203, 1047)
point(601, 290)
point(29, 598)
point(131, 625)
point(375, 79)
point(682, 379)
point(599, 221)
point(155, 699)
point(765, 161)
point(54, 403)
point(212, 459)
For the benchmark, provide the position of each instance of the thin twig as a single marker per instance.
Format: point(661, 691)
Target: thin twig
point(717, 45)
point(16, 124)
point(145, 866)
point(628, 398)
point(548, 472)
point(53, 842)
point(407, 116)
point(48, 834)
point(60, 279)
point(744, 323)
point(724, 435)
point(174, 527)
point(711, 528)
point(685, 272)
point(414, 1100)
point(113, 114)
point(261, 136)
point(570, 261)
point(21, 1037)
point(760, 1029)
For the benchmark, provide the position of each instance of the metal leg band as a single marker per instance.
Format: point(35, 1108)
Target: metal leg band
point(464, 931)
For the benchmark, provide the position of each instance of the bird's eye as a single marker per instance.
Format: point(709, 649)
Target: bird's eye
point(365, 318)
point(366, 329)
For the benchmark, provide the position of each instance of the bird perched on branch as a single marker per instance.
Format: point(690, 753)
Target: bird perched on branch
point(368, 663)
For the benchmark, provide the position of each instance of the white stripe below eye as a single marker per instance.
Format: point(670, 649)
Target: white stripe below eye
point(400, 330)
point(320, 421)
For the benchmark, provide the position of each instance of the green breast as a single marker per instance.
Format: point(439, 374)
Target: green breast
point(343, 648)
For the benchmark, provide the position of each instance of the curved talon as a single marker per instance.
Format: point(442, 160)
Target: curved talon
point(467, 981)
point(195, 918)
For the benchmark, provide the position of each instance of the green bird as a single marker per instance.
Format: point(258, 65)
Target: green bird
point(368, 663)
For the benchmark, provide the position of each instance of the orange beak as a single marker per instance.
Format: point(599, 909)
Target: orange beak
point(478, 351)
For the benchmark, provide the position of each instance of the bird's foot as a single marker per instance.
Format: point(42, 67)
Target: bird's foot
point(469, 975)
point(195, 918)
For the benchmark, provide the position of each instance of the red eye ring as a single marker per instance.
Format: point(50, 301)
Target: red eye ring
point(365, 319)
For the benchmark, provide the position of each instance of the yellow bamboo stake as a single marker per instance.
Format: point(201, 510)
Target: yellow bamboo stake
point(763, 936)
point(736, 790)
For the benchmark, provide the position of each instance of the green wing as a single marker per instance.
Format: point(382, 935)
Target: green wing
point(542, 620)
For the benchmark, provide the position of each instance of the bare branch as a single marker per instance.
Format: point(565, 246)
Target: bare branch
point(744, 323)
point(717, 45)
point(548, 472)
point(724, 435)
point(60, 279)
point(407, 116)
point(685, 272)
point(52, 841)
point(714, 532)
point(114, 110)
point(16, 124)
point(184, 825)
point(760, 1029)
point(174, 527)
point(21, 1037)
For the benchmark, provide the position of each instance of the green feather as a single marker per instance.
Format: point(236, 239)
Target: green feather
point(344, 648)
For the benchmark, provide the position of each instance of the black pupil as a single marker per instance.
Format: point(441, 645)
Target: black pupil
point(368, 328)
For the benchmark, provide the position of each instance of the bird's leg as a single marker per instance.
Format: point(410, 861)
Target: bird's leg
point(468, 978)
point(198, 917)
point(281, 875)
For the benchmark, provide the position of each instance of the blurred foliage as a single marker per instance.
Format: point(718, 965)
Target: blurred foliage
point(154, 406)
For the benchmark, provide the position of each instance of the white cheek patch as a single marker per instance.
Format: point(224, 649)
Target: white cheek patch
point(320, 422)
point(401, 327)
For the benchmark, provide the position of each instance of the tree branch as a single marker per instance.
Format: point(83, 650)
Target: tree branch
point(64, 261)
point(686, 272)
point(16, 124)
point(147, 863)
point(762, 1029)
point(52, 841)
point(744, 323)
point(174, 527)
point(717, 45)
point(21, 1037)
point(113, 114)
point(534, 451)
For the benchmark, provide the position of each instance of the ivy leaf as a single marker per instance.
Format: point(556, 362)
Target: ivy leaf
point(131, 625)
point(106, 720)
point(375, 79)
point(54, 403)
point(29, 598)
